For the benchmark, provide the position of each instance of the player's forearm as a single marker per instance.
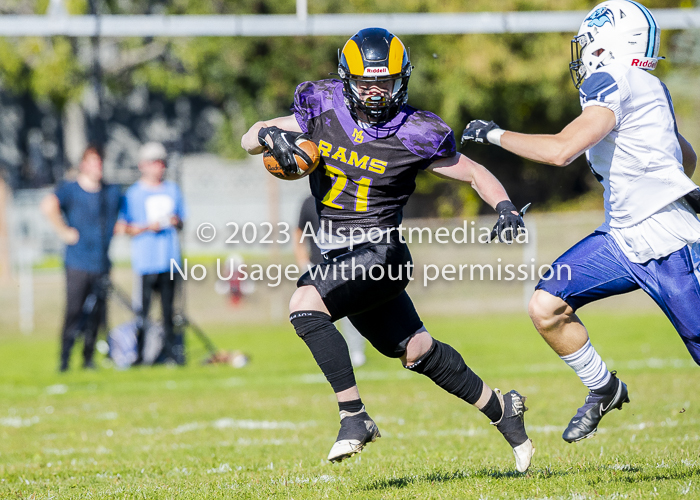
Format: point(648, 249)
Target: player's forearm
point(487, 186)
point(549, 149)
point(462, 168)
point(689, 167)
point(690, 159)
point(591, 127)
point(249, 141)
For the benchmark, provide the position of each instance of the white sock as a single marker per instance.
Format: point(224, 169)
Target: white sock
point(589, 366)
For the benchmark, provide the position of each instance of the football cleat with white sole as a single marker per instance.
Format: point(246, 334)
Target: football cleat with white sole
point(512, 426)
point(585, 422)
point(356, 430)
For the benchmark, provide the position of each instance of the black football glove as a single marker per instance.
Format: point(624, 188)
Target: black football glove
point(693, 199)
point(284, 148)
point(509, 224)
point(477, 130)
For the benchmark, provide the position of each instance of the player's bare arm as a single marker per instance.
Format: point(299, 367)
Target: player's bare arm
point(591, 127)
point(462, 168)
point(250, 142)
point(281, 137)
point(690, 159)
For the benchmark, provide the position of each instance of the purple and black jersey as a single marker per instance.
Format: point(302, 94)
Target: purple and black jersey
point(366, 175)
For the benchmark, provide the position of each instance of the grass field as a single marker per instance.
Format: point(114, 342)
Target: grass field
point(263, 431)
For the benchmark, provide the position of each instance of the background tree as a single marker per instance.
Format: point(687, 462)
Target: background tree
point(521, 81)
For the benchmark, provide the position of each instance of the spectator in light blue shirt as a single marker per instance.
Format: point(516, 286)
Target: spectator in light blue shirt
point(152, 213)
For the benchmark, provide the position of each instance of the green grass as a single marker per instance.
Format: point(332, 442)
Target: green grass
point(263, 431)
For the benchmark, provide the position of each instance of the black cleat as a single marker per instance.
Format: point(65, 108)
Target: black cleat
point(356, 430)
point(585, 422)
point(512, 426)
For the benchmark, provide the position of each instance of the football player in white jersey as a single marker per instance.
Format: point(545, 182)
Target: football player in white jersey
point(651, 235)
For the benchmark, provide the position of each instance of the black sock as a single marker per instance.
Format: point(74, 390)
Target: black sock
point(350, 406)
point(327, 346)
point(608, 388)
point(493, 409)
point(446, 367)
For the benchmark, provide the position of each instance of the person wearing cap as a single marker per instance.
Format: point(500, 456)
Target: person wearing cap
point(83, 213)
point(152, 213)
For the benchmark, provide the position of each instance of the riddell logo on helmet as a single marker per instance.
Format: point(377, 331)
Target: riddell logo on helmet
point(644, 63)
point(376, 71)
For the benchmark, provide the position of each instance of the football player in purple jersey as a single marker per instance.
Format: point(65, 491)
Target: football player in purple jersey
point(372, 145)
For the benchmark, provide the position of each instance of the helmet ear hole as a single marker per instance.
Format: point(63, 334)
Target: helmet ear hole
point(620, 31)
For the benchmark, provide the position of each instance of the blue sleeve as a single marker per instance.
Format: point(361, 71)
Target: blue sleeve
point(123, 210)
point(670, 106)
point(180, 208)
point(63, 193)
point(601, 89)
point(125, 213)
point(598, 87)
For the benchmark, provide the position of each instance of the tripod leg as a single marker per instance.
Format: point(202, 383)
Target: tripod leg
point(208, 344)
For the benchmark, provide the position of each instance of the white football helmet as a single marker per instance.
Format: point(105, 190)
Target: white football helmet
point(622, 30)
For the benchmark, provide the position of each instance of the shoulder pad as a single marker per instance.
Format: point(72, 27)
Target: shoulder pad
point(317, 96)
point(425, 134)
point(597, 86)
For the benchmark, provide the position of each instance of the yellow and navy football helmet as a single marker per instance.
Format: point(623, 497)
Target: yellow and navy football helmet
point(374, 55)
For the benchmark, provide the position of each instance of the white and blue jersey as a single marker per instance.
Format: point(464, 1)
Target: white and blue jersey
point(640, 164)
point(651, 238)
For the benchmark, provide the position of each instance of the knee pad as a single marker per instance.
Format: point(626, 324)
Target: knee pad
point(390, 349)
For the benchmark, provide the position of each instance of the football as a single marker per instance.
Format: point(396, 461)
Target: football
point(303, 169)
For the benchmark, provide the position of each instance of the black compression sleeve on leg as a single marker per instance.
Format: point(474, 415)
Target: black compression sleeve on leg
point(327, 346)
point(445, 366)
point(351, 406)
